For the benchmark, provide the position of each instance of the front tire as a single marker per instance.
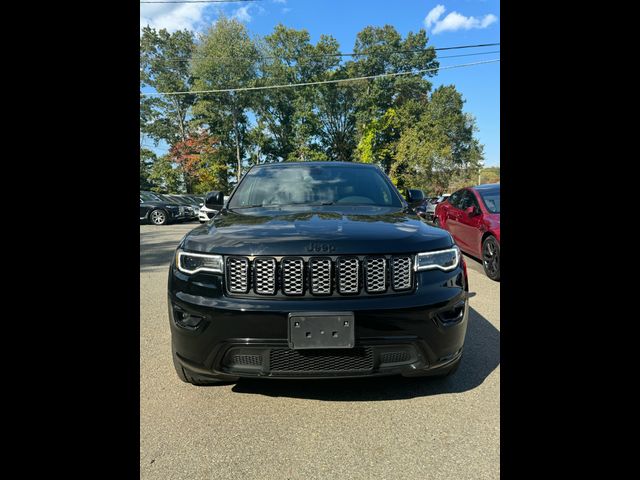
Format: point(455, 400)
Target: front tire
point(158, 217)
point(491, 258)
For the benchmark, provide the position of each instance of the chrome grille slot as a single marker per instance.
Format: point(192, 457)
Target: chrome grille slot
point(375, 272)
point(348, 275)
point(292, 276)
point(401, 272)
point(320, 275)
point(265, 276)
point(237, 274)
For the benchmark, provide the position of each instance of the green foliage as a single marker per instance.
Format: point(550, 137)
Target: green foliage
point(379, 139)
point(490, 175)
point(202, 165)
point(165, 176)
point(165, 117)
point(440, 146)
point(147, 158)
point(287, 115)
point(380, 49)
point(226, 56)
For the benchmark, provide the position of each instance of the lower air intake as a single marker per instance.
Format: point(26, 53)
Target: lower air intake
point(285, 361)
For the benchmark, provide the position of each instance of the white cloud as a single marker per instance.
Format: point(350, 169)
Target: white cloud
point(279, 1)
point(286, 10)
point(172, 16)
point(242, 14)
point(455, 21)
point(434, 14)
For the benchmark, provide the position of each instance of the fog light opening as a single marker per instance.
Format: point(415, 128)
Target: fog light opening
point(187, 320)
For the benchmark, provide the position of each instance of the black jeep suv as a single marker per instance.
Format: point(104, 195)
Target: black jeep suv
point(316, 269)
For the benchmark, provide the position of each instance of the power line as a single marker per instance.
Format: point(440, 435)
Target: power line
point(321, 82)
point(447, 56)
point(352, 54)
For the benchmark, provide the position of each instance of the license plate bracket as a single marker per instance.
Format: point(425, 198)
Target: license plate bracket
point(309, 330)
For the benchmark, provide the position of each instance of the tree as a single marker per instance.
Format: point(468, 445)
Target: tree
point(165, 176)
point(440, 146)
point(379, 140)
point(164, 65)
point(383, 50)
point(198, 157)
point(490, 175)
point(287, 114)
point(336, 115)
point(147, 159)
point(226, 57)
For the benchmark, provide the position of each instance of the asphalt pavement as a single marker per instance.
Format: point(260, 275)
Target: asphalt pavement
point(387, 428)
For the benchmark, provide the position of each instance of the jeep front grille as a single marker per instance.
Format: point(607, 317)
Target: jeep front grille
point(401, 273)
point(293, 276)
point(237, 274)
point(265, 272)
point(319, 276)
point(348, 275)
point(375, 275)
point(320, 272)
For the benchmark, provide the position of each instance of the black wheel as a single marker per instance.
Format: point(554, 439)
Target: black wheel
point(491, 258)
point(436, 221)
point(189, 377)
point(158, 217)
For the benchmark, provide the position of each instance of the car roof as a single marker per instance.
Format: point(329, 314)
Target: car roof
point(317, 164)
point(487, 187)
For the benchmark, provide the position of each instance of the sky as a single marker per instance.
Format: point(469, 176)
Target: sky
point(447, 22)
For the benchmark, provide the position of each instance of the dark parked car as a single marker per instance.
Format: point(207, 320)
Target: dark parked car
point(315, 270)
point(472, 216)
point(421, 208)
point(191, 208)
point(158, 210)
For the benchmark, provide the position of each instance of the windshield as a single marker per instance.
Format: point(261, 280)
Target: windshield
point(314, 185)
point(148, 197)
point(164, 198)
point(491, 200)
point(181, 200)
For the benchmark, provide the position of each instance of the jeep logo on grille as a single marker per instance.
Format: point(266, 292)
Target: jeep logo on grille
point(320, 247)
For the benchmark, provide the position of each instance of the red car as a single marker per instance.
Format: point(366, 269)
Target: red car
point(472, 216)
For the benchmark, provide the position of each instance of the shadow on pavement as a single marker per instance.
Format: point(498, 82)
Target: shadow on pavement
point(481, 357)
point(157, 255)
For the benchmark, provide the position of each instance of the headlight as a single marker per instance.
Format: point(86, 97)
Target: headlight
point(443, 259)
point(198, 262)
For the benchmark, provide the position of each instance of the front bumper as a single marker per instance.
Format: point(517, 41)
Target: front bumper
point(419, 333)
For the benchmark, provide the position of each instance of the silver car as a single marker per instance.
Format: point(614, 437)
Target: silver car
point(431, 206)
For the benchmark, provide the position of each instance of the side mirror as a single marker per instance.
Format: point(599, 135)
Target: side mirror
point(471, 211)
point(414, 196)
point(214, 200)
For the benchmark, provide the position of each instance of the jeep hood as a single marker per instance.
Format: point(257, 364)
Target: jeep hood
point(324, 230)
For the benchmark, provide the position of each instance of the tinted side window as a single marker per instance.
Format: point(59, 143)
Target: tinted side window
point(456, 198)
point(469, 200)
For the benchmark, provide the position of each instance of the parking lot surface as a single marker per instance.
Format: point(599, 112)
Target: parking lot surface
point(357, 429)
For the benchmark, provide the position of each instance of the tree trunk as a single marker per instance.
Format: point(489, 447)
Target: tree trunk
point(238, 154)
point(235, 125)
